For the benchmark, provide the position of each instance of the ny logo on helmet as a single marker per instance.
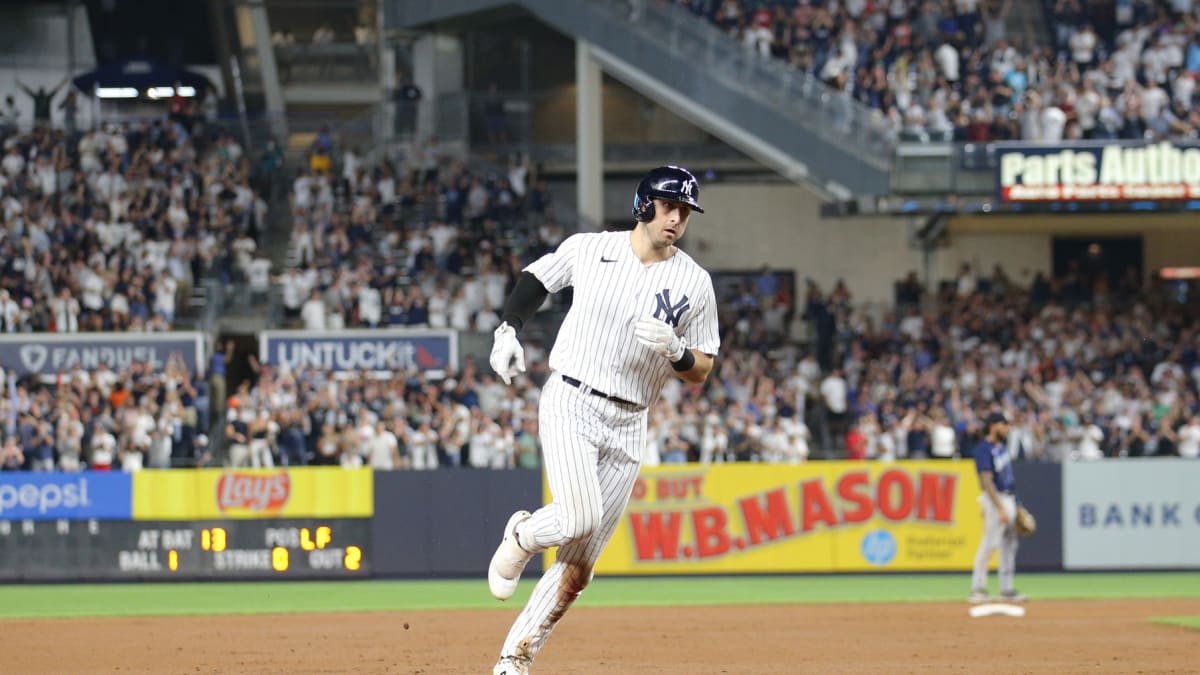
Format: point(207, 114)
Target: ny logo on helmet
point(686, 188)
point(670, 313)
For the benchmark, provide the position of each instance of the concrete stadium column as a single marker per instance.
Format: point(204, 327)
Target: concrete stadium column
point(589, 137)
point(438, 71)
point(272, 91)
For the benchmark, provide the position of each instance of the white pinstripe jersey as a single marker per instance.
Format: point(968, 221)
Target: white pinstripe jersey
point(613, 289)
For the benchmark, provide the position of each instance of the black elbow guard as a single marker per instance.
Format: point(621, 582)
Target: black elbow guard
point(526, 297)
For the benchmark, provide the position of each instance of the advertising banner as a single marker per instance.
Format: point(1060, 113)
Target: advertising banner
point(71, 496)
point(305, 492)
point(371, 350)
point(1131, 514)
point(176, 551)
point(1098, 171)
point(817, 517)
point(47, 354)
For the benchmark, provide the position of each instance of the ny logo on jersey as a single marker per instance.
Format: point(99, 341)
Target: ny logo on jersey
point(670, 313)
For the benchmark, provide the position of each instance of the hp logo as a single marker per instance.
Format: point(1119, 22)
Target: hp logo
point(879, 547)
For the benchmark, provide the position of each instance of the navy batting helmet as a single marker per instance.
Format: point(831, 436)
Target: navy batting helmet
point(671, 183)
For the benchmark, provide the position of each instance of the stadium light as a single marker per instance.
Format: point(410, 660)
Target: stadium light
point(187, 91)
point(160, 92)
point(117, 92)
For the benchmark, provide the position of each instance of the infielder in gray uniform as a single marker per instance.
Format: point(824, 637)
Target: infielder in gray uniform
point(643, 311)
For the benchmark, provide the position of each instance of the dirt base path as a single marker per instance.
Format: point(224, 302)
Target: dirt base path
point(1055, 637)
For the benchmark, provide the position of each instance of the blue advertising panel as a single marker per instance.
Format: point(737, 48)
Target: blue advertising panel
point(371, 350)
point(46, 354)
point(69, 496)
point(1097, 171)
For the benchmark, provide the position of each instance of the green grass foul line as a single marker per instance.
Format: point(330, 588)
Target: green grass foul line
point(173, 599)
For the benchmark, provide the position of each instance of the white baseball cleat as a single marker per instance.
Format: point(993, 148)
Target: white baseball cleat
point(511, 666)
point(508, 562)
point(978, 595)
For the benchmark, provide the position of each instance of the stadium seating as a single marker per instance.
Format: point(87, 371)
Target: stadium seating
point(949, 71)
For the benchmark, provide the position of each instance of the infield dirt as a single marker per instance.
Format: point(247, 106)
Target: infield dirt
point(1110, 636)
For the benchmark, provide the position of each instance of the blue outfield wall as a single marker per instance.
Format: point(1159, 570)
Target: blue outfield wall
point(1039, 487)
point(446, 522)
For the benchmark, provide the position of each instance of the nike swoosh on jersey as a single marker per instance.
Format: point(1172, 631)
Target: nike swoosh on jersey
point(603, 259)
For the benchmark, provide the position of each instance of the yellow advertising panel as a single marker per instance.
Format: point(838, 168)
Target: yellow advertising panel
point(305, 492)
point(817, 517)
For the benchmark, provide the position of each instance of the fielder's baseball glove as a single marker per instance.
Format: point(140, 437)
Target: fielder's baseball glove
point(1026, 523)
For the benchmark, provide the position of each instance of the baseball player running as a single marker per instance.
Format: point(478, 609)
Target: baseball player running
point(643, 311)
point(999, 502)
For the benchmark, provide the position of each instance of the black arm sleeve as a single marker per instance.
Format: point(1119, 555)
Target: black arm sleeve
point(526, 297)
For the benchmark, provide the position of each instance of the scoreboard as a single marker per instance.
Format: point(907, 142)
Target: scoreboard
point(74, 550)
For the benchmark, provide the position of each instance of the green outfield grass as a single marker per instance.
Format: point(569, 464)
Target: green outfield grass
point(147, 599)
point(1185, 621)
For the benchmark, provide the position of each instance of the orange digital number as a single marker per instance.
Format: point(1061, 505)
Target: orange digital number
point(279, 559)
point(353, 559)
point(322, 538)
point(213, 540)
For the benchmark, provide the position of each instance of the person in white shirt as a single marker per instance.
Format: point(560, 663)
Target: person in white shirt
point(258, 275)
point(423, 444)
point(370, 305)
point(438, 308)
point(1088, 442)
point(1188, 444)
point(482, 446)
point(798, 438)
point(943, 441)
point(834, 392)
point(1153, 99)
point(714, 440)
point(165, 288)
point(460, 311)
point(313, 312)
point(293, 290)
point(1083, 46)
point(65, 311)
point(104, 448)
point(384, 449)
point(486, 320)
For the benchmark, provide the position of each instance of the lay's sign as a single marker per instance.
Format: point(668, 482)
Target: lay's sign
point(253, 493)
point(306, 492)
point(1097, 171)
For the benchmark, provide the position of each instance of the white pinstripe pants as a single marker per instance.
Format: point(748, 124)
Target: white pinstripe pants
point(592, 449)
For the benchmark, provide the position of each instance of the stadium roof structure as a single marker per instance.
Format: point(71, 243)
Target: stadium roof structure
point(140, 74)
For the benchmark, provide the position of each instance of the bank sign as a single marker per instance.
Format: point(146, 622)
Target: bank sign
point(1090, 172)
point(351, 350)
point(47, 354)
point(1136, 514)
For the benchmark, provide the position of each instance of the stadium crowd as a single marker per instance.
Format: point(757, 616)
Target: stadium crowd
point(949, 70)
point(108, 228)
point(1084, 368)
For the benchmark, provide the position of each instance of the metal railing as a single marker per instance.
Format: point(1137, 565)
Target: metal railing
point(801, 97)
point(334, 62)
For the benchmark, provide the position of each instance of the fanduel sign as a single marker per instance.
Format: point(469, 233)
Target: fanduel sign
point(1098, 172)
point(49, 354)
point(1131, 514)
point(372, 350)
